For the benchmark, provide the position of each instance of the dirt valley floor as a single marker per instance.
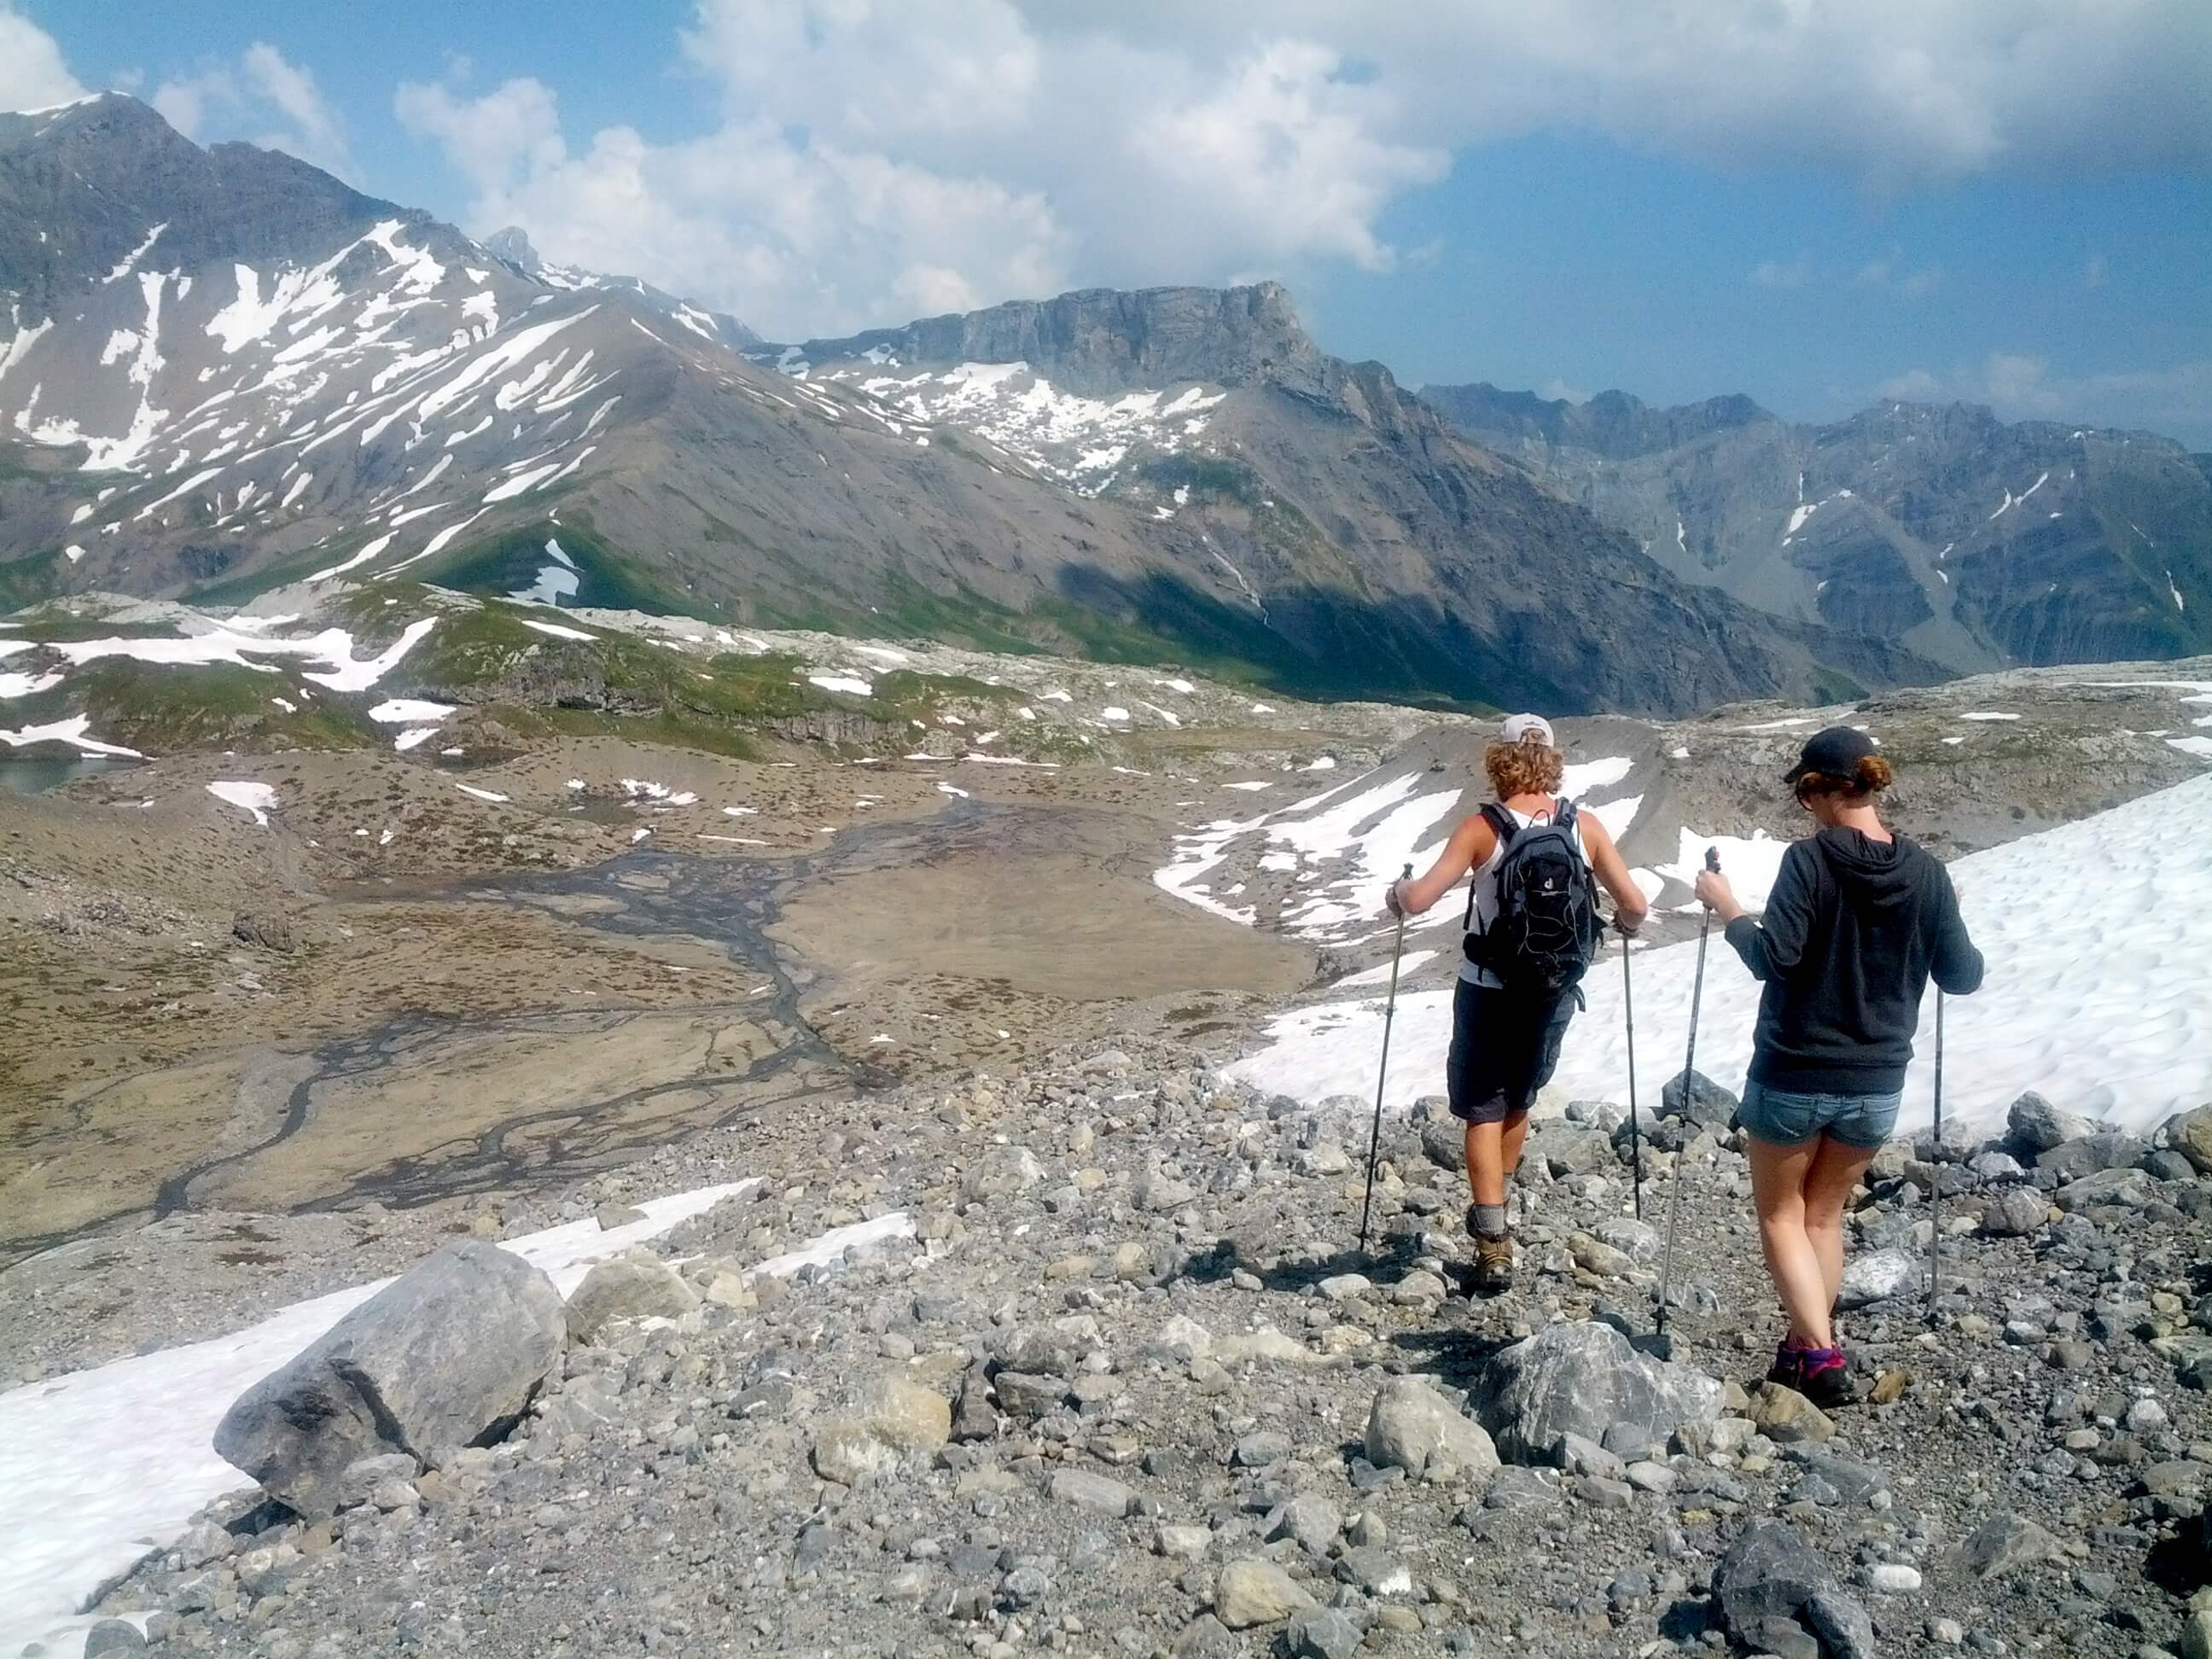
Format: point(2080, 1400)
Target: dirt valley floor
point(310, 1011)
point(208, 1011)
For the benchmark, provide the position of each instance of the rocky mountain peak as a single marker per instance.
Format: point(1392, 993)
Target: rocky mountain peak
point(84, 186)
point(1095, 341)
point(512, 245)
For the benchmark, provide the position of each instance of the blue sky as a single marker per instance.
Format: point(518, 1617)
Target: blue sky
point(2009, 201)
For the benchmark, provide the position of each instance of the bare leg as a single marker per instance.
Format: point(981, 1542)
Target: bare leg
point(1828, 1185)
point(1493, 1152)
point(1515, 1131)
point(1485, 1162)
point(1778, 1187)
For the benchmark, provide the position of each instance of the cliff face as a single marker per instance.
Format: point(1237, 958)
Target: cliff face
point(1103, 340)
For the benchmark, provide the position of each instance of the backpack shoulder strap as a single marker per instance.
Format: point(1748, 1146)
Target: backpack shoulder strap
point(1501, 824)
point(1504, 828)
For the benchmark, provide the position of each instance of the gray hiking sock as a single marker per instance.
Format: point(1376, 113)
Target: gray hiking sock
point(1490, 1220)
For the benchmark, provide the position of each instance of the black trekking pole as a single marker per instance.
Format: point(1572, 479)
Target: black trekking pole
point(1689, 1062)
point(1390, 1014)
point(1936, 1173)
point(1635, 1129)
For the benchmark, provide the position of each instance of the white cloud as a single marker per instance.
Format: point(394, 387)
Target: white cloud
point(1889, 273)
point(1776, 273)
point(1155, 141)
point(32, 73)
point(1915, 385)
point(514, 127)
point(875, 159)
point(1892, 92)
point(264, 98)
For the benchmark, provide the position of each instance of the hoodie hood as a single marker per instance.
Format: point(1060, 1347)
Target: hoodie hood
point(1870, 872)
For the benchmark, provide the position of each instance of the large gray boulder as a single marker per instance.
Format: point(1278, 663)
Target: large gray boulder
point(1712, 1106)
point(1582, 1378)
point(2092, 1154)
point(2034, 1125)
point(1773, 1592)
point(450, 1353)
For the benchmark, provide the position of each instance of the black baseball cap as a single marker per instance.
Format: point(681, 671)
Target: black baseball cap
point(1834, 753)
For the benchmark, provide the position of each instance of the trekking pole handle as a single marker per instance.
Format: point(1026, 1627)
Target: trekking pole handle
point(1713, 860)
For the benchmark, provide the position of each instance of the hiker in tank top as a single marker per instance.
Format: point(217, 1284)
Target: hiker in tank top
point(1857, 922)
point(1505, 1039)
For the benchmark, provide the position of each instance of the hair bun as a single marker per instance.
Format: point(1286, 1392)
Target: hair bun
point(1872, 773)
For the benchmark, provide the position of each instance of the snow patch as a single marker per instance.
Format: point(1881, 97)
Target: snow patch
point(259, 798)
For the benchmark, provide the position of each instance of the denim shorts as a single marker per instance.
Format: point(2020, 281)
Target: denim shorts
point(1782, 1118)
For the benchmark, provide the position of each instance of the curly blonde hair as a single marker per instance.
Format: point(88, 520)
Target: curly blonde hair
point(1523, 768)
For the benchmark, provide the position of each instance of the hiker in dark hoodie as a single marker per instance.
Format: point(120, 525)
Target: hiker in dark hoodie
point(1857, 921)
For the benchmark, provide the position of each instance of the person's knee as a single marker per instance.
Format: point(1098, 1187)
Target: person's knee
point(1787, 1216)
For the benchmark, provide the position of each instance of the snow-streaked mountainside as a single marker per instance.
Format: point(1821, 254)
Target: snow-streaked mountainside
point(1965, 539)
point(718, 327)
point(222, 371)
point(2108, 1020)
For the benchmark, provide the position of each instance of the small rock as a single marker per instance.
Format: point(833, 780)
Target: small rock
point(850, 1455)
point(1028, 1397)
point(1255, 1592)
point(1325, 1634)
point(2004, 1543)
point(1785, 1415)
point(1410, 1426)
point(1260, 1448)
point(902, 1413)
point(2190, 1133)
point(1092, 1491)
point(113, 1636)
point(1878, 1276)
point(1179, 1543)
point(269, 929)
point(1160, 1194)
point(2015, 1213)
point(1892, 1577)
point(635, 1285)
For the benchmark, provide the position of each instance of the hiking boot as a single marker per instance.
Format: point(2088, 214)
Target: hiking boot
point(1823, 1375)
point(1493, 1264)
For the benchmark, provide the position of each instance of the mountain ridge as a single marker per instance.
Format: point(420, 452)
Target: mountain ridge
point(1167, 475)
point(1906, 521)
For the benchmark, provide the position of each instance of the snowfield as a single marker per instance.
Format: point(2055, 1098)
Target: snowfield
point(2096, 935)
point(1343, 846)
point(99, 1467)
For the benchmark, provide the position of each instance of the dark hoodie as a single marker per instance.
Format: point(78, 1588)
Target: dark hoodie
point(1852, 932)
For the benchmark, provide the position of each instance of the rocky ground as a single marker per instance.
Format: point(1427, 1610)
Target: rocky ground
point(1132, 1388)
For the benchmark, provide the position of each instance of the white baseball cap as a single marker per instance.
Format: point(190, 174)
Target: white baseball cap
point(1520, 728)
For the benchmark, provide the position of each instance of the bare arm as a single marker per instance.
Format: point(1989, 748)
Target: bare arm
point(1469, 845)
point(1630, 906)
